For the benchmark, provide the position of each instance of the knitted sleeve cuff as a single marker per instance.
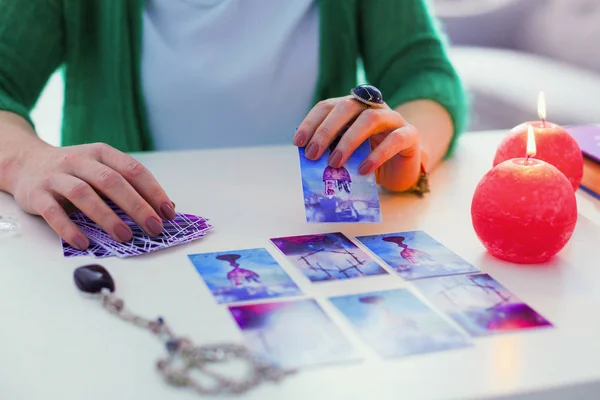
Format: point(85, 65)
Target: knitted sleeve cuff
point(11, 105)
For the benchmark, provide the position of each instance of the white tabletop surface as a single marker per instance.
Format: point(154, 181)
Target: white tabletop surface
point(56, 344)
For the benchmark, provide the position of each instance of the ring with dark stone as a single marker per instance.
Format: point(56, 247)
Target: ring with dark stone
point(368, 94)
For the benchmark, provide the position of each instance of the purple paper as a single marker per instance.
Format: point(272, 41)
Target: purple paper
point(588, 138)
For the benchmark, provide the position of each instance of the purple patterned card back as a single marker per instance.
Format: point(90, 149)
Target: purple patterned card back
point(94, 250)
point(183, 229)
point(588, 138)
point(141, 243)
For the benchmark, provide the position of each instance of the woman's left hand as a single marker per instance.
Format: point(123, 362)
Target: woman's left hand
point(395, 147)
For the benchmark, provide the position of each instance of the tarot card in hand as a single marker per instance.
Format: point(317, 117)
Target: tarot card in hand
point(396, 323)
point(293, 334)
point(183, 229)
point(416, 255)
point(241, 275)
point(339, 194)
point(327, 257)
point(480, 304)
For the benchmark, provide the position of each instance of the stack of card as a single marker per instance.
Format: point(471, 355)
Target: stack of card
point(183, 229)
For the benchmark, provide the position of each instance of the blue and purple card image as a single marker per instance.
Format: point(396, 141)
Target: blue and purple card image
point(395, 323)
point(327, 257)
point(293, 334)
point(480, 304)
point(339, 194)
point(242, 275)
point(416, 255)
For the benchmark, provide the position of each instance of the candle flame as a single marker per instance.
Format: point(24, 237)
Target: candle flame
point(542, 106)
point(531, 148)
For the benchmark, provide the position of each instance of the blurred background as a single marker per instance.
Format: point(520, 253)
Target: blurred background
point(506, 52)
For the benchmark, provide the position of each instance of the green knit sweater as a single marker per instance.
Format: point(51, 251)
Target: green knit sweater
point(98, 43)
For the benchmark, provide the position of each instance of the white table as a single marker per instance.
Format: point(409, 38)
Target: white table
point(55, 344)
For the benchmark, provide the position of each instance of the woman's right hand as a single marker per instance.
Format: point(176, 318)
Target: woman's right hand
point(48, 178)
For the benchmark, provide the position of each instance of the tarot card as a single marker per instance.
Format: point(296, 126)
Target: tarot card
point(416, 255)
point(183, 229)
point(136, 246)
point(339, 194)
point(94, 250)
point(242, 275)
point(293, 334)
point(396, 323)
point(480, 304)
point(173, 231)
point(327, 257)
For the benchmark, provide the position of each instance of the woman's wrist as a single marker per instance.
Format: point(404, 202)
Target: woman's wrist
point(18, 141)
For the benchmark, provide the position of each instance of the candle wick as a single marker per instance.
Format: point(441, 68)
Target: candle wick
point(527, 159)
point(543, 122)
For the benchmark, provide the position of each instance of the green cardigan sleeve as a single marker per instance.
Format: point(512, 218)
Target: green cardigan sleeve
point(404, 55)
point(31, 48)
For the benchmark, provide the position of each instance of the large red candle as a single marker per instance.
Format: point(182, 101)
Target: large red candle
point(524, 210)
point(554, 145)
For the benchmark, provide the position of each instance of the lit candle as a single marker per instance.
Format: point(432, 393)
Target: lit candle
point(524, 209)
point(554, 145)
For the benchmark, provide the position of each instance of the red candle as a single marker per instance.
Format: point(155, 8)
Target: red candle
point(524, 210)
point(554, 145)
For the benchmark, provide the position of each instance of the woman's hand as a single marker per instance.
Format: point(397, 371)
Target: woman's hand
point(395, 154)
point(49, 178)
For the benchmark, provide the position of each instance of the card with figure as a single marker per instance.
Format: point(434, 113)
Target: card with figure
point(243, 275)
point(395, 323)
point(327, 257)
point(416, 255)
point(339, 194)
point(480, 304)
point(293, 334)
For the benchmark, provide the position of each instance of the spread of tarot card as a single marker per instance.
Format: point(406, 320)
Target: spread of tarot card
point(449, 303)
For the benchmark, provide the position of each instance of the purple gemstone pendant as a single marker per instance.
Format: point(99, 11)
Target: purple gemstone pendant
point(368, 95)
point(93, 278)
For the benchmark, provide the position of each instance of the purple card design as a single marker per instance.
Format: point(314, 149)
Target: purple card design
point(416, 255)
point(94, 250)
point(327, 257)
point(183, 229)
point(480, 304)
point(293, 334)
point(242, 275)
point(339, 194)
point(136, 246)
point(395, 323)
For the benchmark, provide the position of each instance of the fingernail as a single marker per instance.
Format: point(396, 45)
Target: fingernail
point(365, 167)
point(154, 226)
point(123, 232)
point(80, 242)
point(300, 138)
point(167, 211)
point(335, 159)
point(173, 204)
point(312, 150)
